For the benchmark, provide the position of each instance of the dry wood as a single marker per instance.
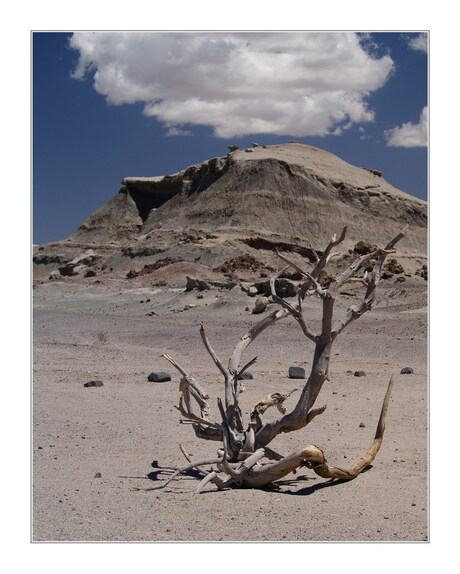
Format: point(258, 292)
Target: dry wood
point(244, 447)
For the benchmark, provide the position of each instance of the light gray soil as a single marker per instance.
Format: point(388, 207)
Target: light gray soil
point(91, 446)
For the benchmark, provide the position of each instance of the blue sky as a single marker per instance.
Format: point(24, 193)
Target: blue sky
point(111, 105)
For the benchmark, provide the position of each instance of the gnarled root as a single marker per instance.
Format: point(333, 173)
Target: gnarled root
point(250, 473)
point(326, 471)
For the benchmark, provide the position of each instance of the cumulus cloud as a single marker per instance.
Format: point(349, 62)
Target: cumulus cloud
point(409, 134)
point(295, 84)
point(418, 42)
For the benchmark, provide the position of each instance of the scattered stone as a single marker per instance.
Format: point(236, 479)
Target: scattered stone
point(245, 376)
point(423, 272)
point(94, 384)
point(394, 267)
point(198, 284)
point(98, 475)
point(284, 287)
point(159, 377)
point(66, 270)
point(233, 147)
point(362, 425)
point(252, 291)
point(363, 247)
point(296, 373)
point(407, 371)
point(360, 374)
point(260, 305)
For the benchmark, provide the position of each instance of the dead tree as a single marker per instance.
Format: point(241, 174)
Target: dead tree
point(239, 460)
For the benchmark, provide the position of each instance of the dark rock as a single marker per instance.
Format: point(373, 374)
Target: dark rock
point(296, 373)
point(94, 384)
point(193, 283)
point(407, 371)
point(245, 376)
point(98, 475)
point(66, 270)
point(284, 288)
point(362, 425)
point(363, 247)
point(159, 377)
point(360, 374)
point(394, 267)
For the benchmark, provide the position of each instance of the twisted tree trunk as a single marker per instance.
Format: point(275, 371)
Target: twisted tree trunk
point(243, 447)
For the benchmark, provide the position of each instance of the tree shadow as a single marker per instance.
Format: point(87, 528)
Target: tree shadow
point(306, 491)
point(155, 474)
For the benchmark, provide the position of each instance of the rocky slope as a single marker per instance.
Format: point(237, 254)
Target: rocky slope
point(291, 197)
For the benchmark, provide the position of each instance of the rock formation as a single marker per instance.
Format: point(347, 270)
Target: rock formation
point(289, 197)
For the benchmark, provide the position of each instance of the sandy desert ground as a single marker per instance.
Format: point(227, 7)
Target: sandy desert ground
point(91, 446)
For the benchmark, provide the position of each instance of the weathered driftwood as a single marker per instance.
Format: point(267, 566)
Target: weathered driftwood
point(244, 447)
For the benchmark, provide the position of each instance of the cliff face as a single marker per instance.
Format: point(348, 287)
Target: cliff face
point(290, 194)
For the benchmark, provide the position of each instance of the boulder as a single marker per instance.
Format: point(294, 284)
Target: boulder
point(198, 284)
point(94, 384)
point(364, 247)
point(284, 287)
point(245, 376)
point(296, 373)
point(159, 377)
point(260, 305)
point(407, 371)
point(394, 267)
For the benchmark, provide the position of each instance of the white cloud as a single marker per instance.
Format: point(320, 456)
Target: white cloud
point(297, 84)
point(409, 134)
point(419, 42)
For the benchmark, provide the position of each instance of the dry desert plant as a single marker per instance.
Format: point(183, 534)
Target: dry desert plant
point(243, 447)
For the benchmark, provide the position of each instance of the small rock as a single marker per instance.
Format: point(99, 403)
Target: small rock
point(252, 291)
point(198, 284)
point(407, 371)
point(260, 305)
point(94, 384)
point(296, 373)
point(245, 376)
point(98, 475)
point(360, 374)
point(362, 425)
point(159, 377)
